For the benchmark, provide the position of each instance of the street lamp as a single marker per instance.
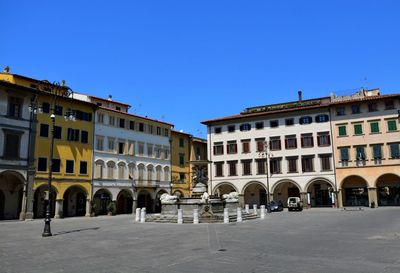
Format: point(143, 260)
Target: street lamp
point(265, 154)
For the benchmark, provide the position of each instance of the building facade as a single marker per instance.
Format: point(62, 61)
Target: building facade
point(180, 160)
point(366, 137)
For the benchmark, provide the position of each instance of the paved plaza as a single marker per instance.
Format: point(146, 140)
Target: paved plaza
point(316, 240)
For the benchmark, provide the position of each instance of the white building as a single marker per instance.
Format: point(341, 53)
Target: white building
point(132, 165)
point(298, 138)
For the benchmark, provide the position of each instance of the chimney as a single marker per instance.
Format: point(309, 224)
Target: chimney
point(300, 95)
point(109, 97)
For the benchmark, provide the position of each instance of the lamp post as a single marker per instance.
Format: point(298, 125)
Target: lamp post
point(265, 154)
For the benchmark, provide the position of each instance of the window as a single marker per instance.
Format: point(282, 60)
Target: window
point(377, 151)
point(166, 153)
point(325, 162)
point(307, 141)
point(394, 150)
point(131, 125)
point(83, 167)
point(355, 109)
point(289, 121)
point(292, 164)
point(15, 107)
point(141, 127)
point(131, 148)
point(149, 150)
point(260, 144)
point(99, 143)
point(261, 166)
point(46, 107)
point(259, 125)
point(246, 165)
point(305, 120)
point(100, 118)
point(141, 172)
point(57, 132)
point(374, 127)
point(275, 143)
point(56, 165)
point(342, 130)
point(121, 170)
point(231, 128)
point(340, 111)
point(44, 130)
point(274, 123)
point(141, 149)
point(321, 118)
point(358, 129)
point(344, 154)
point(69, 166)
point(372, 107)
point(392, 125)
point(307, 164)
point(323, 139)
point(80, 115)
point(246, 147)
point(159, 131)
point(360, 153)
point(42, 164)
point(181, 142)
point(181, 178)
point(218, 148)
point(219, 169)
point(121, 123)
point(182, 159)
point(121, 148)
point(118, 108)
point(275, 165)
point(99, 169)
point(218, 130)
point(150, 129)
point(73, 134)
point(111, 147)
point(150, 173)
point(231, 147)
point(84, 137)
point(111, 121)
point(389, 104)
point(158, 151)
point(12, 143)
point(166, 132)
point(245, 127)
point(58, 110)
point(290, 142)
point(232, 168)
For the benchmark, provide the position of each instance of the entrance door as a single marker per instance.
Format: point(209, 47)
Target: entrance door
point(80, 204)
point(263, 197)
point(293, 192)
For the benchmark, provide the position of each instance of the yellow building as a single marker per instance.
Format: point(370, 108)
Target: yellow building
point(180, 163)
point(198, 152)
point(73, 123)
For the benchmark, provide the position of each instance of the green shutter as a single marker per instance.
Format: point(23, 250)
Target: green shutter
point(357, 129)
point(374, 127)
point(377, 151)
point(344, 154)
point(392, 126)
point(342, 131)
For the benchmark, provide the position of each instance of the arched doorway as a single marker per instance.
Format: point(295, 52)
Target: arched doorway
point(320, 192)
point(285, 189)
point(157, 208)
point(101, 199)
point(40, 202)
point(355, 191)
point(224, 188)
point(145, 201)
point(124, 202)
point(11, 185)
point(388, 190)
point(255, 193)
point(74, 203)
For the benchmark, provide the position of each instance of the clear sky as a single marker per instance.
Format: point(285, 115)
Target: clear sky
point(188, 61)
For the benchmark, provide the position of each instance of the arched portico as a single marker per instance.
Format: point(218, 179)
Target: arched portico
point(101, 199)
point(354, 191)
point(11, 194)
point(388, 190)
point(124, 202)
point(284, 189)
point(74, 202)
point(145, 200)
point(40, 201)
point(255, 192)
point(320, 192)
point(224, 188)
point(157, 202)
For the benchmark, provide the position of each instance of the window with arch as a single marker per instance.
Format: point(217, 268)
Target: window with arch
point(110, 169)
point(99, 172)
point(150, 173)
point(131, 169)
point(166, 174)
point(141, 172)
point(121, 170)
point(158, 173)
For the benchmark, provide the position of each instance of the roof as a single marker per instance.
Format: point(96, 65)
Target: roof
point(198, 139)
point(367, 98)
point(182, 133)
point(113, 101)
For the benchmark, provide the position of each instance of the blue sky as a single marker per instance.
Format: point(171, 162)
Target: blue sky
point(188, 61)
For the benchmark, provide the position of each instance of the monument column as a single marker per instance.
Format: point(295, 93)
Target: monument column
point(59, 209)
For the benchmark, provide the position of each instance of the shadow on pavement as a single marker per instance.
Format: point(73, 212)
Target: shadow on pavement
point(75, 230)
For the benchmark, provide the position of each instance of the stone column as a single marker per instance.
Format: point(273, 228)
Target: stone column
point(137, 215)
point(262, 211)
point(340, 198)
point(29, 195)
point(247, 208)
point(226, 216)
point(303, 197)
point(195, 216)
point(180, 216)
point(241, 200)
point(134, 205)
point(88, 207)
point(58, 213)
point(22, 214)
point(239, 215)
point(255, 209)
point(372, 197)
point(143, 215)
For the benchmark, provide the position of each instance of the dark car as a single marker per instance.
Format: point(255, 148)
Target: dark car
point(275, 206)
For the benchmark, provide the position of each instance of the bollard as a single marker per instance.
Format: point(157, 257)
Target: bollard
point(137, 215)
point(226, 216)
point(247, 208)
point(195, 216)
point(143, 215)
point(255, 209)
point(180, 216)
point(262, 211)
point(239, 215)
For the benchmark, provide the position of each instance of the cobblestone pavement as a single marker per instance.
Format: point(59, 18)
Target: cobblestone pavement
point(316, 240)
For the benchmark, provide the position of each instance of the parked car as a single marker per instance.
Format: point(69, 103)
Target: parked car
point(275, 206)
point(294, 203)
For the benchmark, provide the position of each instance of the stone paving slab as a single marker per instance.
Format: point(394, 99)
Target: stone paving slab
point(315, 240)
